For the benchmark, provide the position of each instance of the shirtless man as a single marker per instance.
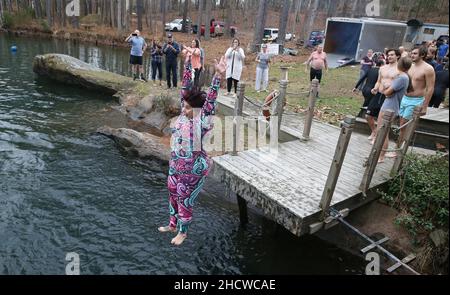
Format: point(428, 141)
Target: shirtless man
point(317, 61)
point(423, 79)
point(386, 75)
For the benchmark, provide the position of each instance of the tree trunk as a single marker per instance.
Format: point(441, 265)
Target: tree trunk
point(312, 17)
point(229, 21)
point(208, 18)
point(283, 24)
point(354, 9)
point(139, 8)
point(185, 13)
point(1, 14)
point(163, 8)
point(119, 16)
point(199, 19)
point(113, 15)
point(259, 27)
point(48, 12)
point(37, 8)
point(306, 12)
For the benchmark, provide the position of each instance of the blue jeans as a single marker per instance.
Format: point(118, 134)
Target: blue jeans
point(171, 67)
point(156, 67)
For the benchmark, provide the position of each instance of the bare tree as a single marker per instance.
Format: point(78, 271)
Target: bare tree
point(119, 16)
point(48, 12)
point(283, 24)
point(199, 19)
point(185, 13)
point(355, 8)
point(163, 8)
point(229, 19)
point(37, 8)
point(259, 27)
point(208, 19)
point(1, 13)
point(312, 17)
point(139, 8)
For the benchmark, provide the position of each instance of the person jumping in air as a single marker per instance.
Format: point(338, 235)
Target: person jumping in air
point(189, 164)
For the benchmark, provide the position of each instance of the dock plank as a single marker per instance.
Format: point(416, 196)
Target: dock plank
point(288, 189)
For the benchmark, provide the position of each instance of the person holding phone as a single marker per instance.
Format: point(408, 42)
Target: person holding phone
point(138, 47)
point(171, 49)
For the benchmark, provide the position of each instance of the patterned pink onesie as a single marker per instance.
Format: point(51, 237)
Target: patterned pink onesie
point(189, 164)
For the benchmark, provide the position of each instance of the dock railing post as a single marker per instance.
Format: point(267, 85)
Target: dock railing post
point(284, 73)
point(336, 165)
point(238, 110)
point(409, 134)
point(281, 102)
point(372, 162)
point(310, 111)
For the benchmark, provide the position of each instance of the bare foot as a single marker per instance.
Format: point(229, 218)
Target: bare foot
point(167, 229)
point(371, 137)
point(179, 239)
point(380, 160)
point(391, 155)
point(372, 142)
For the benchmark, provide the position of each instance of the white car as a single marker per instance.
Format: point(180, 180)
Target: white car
point(176, 25)
point(271, 35)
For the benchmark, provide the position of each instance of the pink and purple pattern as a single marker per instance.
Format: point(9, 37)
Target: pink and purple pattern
point(189, 163)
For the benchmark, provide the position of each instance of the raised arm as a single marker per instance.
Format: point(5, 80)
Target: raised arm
point(186, 83)
point(209, 107)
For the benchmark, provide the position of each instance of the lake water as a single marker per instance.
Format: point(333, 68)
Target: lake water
point(64, 188)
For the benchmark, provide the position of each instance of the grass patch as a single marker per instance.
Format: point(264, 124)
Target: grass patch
point(336, 99)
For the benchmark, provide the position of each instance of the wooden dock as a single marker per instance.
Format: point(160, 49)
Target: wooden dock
point(289, 189)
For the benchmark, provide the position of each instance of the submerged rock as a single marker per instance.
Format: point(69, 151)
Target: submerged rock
point(145, 145)
point(69, 70)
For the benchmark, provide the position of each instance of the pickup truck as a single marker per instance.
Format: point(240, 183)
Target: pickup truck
point(271, 35)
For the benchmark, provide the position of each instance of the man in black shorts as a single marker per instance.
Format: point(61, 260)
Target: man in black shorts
point(138, 47)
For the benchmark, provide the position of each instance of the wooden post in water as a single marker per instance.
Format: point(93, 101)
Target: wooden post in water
point(372, 162)
point(336, 165)
point(243, 215)
point(409, 134)
point(238, 109)
point(284, 73)
point(281, 102)
point(311, 107)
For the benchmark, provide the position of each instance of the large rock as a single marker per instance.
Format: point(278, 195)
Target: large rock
point(69, 70)
point(145, 145)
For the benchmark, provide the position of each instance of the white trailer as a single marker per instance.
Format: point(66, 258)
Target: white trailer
point(348, 39)
point(419, 32)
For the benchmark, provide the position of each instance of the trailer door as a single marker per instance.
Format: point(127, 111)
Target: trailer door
point(341, 40)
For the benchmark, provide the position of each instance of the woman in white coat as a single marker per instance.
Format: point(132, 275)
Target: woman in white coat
point(235, 61)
